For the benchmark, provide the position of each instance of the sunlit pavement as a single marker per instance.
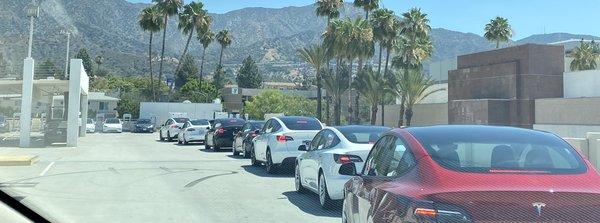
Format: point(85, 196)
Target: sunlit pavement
point(135, 178)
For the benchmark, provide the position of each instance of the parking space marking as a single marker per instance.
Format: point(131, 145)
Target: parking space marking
point(47, 169)
point(193, 183)
point(166, 169)
point(112, 169)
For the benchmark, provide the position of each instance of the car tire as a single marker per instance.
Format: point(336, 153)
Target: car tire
point(235, 152)
point(253, 159)
point(244, 153)
point(206, 146)
point(185, 142)
point(215, 147)
point(160, 136)
point(324, 198)
point(169, 139)
point(298, 180)
point(270, 167)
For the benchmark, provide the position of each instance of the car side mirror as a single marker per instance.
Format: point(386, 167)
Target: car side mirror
point(302, 148)
point(348, 169)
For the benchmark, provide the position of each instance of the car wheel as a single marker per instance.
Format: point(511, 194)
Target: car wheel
point(206, 146)
point(253, 159)
point(245, 148)
point(169, 139)
point(235, 152)
point(185, 142)
point(324, 199)
point(215, 147)
point(179, 141)
point(269, 165)
point(160, 136)
point(298, 180)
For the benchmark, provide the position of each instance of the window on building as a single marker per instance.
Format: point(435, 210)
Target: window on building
point(103, 105)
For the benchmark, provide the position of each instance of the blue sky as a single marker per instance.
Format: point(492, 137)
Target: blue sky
point(527, 17)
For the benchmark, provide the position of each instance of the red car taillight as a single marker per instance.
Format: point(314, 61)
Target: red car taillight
point(427, 211)
point(220, 131)
point(345, 158)
point(284, 138)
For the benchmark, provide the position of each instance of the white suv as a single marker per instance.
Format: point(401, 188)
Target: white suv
point(278, 140)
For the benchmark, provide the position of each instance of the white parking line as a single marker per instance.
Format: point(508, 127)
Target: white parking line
point(47, 168)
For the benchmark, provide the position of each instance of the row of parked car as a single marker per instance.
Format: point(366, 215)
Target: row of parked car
point(421, 174)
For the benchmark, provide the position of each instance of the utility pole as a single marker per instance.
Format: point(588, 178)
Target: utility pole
point(33, 11)
point(68, 33)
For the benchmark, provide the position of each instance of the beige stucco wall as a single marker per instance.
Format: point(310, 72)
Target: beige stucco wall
point(424, 114)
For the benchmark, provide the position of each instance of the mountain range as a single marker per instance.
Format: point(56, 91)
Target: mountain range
point(109, 28)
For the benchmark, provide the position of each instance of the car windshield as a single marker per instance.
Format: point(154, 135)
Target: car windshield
point(181, 120)
point(257, 125)
point(143, 121)
point(498, 151)
point(301, 123)
point(112, 121)
point(90, 121)
point(199, 122)
point(362, 134)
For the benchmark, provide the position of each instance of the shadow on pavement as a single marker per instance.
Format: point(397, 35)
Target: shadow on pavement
point(309, 203)
point(239, 157)
point(261, 172)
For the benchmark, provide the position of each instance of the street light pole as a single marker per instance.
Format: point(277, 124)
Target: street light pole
point(68, 33)
point(33, 11)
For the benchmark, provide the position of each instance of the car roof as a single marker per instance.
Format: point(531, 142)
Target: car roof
point(290, 118)
point(360, 127)
point(473, 130)
point(224, 119)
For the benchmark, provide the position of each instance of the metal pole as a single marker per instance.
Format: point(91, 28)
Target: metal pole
point(30, 36)
point(67, 61)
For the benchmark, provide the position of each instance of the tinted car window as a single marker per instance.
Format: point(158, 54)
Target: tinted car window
point(199, 122)
point(392, 159)
point(143, 121)
point(362, 134)
point(181, 120)
point(257, 125)
point(301, 123)
point(112, 121)
point(329, 139)
point(89, 121)
point(502, 149)
point(314, 144)
point(373, 158)
point(232, 122)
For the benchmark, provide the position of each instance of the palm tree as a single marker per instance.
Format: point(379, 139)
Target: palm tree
point(193, 17)
point(205, 38)
point(150, 20)
point(316, 56)
point(371, 86)
point(413, 47)
point(335, 85)
point(329, 9)
point(585, 56)
point(416, 89)
point(367, 5)
point(498, 30)
point(225, 39)
point(167, 8)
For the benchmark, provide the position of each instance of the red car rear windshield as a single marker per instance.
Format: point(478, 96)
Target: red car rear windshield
point(522, 151)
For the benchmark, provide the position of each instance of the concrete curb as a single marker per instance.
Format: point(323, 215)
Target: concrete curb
point(18, 160)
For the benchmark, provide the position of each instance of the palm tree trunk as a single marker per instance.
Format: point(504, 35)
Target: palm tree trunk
point(401, 113)
point(328, 109)
point(187, 44)
point(409, 114)
point(497, 44)
point(202, 64)
point(319, 95)
point(221, 57)
point(374, 114)
point(162, 53)
point(367, 15)
point(338, 110)
point(337, 106)
point(356, 108)
point(350, 113)
point(380, 54)
point(153, 95)
point(387, 58)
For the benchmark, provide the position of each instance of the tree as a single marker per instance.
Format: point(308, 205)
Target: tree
point(329, 9)
point(198, 91)
point(413, 47)
point(585, 56)
point(416, 89)
point(372, 87)
point(193, 17)
point(367, 5)
point(316, 56)
point(205, 39)
point(150, 21)
point(99, 61)
point(46, 69)
point(335, 83)
point(224, 39)
point(498, 30)
point(87, 60)
point(219, 77)
point(248, 75)
point(167, 8)
point(274, 101)
point(188, 70)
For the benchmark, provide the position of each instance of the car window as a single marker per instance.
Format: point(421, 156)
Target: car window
point(185, 125)
point(199, 122)
point(275, 126)
point(392, 159)
point(314, 144)
point(329, 139)
point(112, 121)
point(373, 156)
point(181, 120)
point(301, 123)
point(266, 127)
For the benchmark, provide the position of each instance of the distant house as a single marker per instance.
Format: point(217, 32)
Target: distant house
point(98, 104)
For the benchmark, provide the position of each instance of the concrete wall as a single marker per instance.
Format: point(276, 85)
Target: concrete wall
point(160, 111)
point(439, 70)
point(424, 114)
point(437, 97)
point(568, 117)
point(582, 84)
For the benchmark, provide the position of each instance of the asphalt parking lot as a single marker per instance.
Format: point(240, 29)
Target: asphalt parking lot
point(136, 178)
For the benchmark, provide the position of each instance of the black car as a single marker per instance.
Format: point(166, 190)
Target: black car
point(242, 141)
point(222, 132)
point(143, 125)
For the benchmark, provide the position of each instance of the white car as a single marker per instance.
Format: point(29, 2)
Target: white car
point(277, 142)
point(170, 130)
point(112, 125)
point(90, 126)
point(193, 131)
point(317, 170)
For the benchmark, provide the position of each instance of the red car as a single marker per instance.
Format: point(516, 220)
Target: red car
point(472, 174)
